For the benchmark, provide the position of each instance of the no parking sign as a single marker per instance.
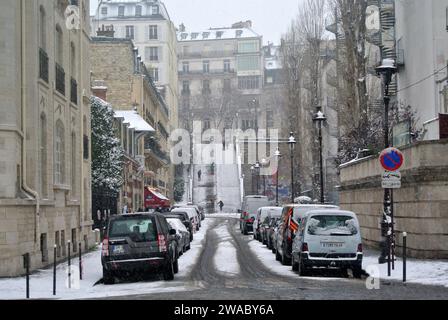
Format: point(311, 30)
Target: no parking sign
point(391, 159)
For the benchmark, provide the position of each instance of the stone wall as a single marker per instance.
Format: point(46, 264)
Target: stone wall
point(420, 206)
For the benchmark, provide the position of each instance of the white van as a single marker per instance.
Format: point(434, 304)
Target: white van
point(330, 239)
point(262, 214)
point(192, 214)
point(251, 204)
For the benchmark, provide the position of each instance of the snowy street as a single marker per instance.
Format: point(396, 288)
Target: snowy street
point(224, 264)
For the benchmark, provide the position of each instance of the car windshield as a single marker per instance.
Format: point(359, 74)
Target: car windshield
point(330, 225)
point(138, 229)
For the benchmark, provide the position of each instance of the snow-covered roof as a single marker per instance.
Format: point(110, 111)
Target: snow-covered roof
point(217, 34)
point(134, 120)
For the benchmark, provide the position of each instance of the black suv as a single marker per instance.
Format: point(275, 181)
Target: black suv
point(139, 243)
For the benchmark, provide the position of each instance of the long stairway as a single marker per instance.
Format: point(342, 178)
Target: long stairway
point(228, 184)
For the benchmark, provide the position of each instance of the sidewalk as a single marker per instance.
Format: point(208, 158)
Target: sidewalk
point(429, 272)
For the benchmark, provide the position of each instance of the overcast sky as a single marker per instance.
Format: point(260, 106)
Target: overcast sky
point(269, 18)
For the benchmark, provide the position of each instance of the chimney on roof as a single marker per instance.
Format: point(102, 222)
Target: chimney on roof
point(241, 24)
point(182, 27)
point(99, 89)
point(106, 31)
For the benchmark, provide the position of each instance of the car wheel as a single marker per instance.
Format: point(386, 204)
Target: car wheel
point(357, 272)
point(295, 267)
point(108, 277)
point(278, 257)
point(245, 232)
point(273, 250)
point(176, 266)
point(168, 275)
point(302, 269)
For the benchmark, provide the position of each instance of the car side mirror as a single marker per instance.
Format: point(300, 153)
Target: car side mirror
point(173, 232)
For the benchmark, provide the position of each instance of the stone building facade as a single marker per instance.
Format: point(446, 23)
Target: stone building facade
point(45, 196)
point(117, 66)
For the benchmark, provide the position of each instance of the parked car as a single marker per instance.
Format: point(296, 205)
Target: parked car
point(273, 213)
point(262, 213)
point(249, 211)
point(139, 243)
point(192, 214)
point(329, 239)
point(291, 217)
point(183, 235)
point(198, 208)
point(183, 216)
point(271, 233)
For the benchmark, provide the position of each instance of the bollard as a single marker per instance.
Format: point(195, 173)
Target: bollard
point(54, 270)
point(26, 264)
point(69, 266)
point(405, 235)
point(80, 262)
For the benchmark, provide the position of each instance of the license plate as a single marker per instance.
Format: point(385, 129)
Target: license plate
point(332, 244)
point(118, 249)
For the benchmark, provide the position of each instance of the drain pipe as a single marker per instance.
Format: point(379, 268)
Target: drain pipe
point(25, 187)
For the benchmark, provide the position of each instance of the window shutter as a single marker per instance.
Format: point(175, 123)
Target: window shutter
point(147, 33)
point(159, 32)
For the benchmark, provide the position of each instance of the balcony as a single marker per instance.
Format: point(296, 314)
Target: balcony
point(209, 54)
point(43, 65)
point(73, 91)
point(216, 72)
point(60, 79)
point(153, 148)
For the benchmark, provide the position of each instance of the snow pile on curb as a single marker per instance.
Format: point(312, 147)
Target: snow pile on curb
point(428, 272)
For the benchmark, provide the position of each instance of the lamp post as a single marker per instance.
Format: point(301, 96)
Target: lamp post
point(263, 164)
point(320, 118)
point(292, 142)
point(386, 70)
point(277, 155)
point(252, 170)
point(257, 170)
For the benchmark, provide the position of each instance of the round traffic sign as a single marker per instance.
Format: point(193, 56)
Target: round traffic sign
point(391, 159)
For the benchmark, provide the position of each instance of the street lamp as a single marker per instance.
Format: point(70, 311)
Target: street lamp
point(277, 155)
point(320, 118)
point(257, 170)
point(292, 142)
point(386, 70)
point(252, 170)
point(263, 164)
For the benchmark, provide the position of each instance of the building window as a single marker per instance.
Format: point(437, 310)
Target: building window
point(269, 119)
point(248, 63)
point(248, 46)
point(74, 162)
point(194, 35)
point(104, 10)
point(74, 241)
point(238, 33)
point(206, 66)
point(226, 65)
point(205, 35)
point(42, 29)
point(138, 11)
point(44, 247)
point(130, 32)
point(206, 87)
point(59, 154)
point(250, 82)
point(152, 54)
point(207, 125)
point(185, 67)
point(154, 73)
point(219, 34)
point(59, 47)
point(153, 34)
point(154, 10)
point(121, 11)
point(185, 87)
point(247, 124)
point(43, 155)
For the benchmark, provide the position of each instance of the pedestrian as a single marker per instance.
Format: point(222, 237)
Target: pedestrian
point(199, 174)
point(221, 205)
